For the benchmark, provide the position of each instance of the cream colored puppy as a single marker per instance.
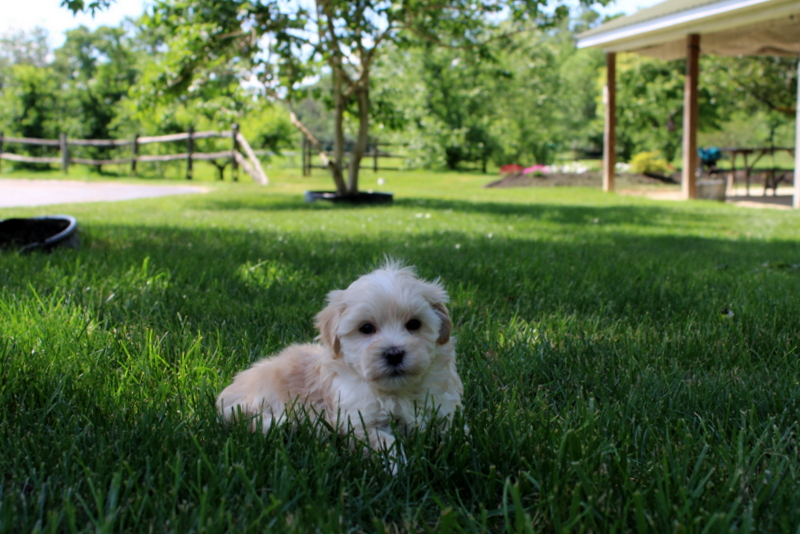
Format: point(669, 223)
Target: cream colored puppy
point(385, 354)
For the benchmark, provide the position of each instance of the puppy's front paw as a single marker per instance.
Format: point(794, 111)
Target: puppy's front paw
point(396, 458)
point(385, 443)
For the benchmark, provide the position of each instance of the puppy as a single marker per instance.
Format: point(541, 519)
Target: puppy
point(384, 355)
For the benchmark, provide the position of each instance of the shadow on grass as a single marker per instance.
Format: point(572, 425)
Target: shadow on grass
point(642, 215)
point(265, 279)
point(258, 290)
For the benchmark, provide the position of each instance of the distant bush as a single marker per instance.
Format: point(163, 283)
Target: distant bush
point(649, 163)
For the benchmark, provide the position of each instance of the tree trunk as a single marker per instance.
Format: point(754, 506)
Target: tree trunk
point(363, 138)
point(338, 130)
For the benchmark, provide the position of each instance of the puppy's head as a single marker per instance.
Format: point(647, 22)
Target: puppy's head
point(386, 325)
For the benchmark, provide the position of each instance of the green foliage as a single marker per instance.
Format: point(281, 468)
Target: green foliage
point(31, 107)
point(732, 91)
point(267, 126)
point(80, 93)
point(86, 5)
point(751, 128)
point(650, 105)
point(604, 391)
point(521, 99)
point(458, 84)
point(92, 89)
point(347, 38)
point(577, 102)
point(649, 163)
point(758, 83)
point(22, 48)
point(458, 103)
point(97, 68)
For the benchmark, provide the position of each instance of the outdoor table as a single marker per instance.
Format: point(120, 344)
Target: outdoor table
point(770, 181)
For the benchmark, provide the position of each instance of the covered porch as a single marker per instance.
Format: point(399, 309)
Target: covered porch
point(685, 28)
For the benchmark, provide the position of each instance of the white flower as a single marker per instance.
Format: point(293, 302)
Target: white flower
point(573, 168)
point(458, 246)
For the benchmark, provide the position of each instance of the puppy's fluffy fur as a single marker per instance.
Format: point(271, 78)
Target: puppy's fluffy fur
point(384, 354)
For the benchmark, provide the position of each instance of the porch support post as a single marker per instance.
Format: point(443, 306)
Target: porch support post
point(796, 196)
point(690, 116)
point(610, 130)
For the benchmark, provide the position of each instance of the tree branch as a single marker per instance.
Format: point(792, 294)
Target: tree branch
point(313, 140)
point(337, 54)
point(438, 42)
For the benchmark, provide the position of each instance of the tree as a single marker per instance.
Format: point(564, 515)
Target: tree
point(521, 99)
point(30, 96)
point(577, 97)
point(30, 106)
point(213, 101)
point(766, 82)
point(97, 68)
point(733, 91)
point(456, 102)
point(283, 44)
point(650, 95)
point(528, 119)
point(761, 97)
point(22, 48)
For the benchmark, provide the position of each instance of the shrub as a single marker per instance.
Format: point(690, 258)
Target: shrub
point(649, 163)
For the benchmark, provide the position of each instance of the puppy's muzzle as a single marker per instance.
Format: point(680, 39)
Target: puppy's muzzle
point(394, 356)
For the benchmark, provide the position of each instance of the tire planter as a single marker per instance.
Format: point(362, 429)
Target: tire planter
point(39, 233)
point(711, 190)
point(358, 198)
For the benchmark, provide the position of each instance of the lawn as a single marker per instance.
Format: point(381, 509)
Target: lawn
point(605, 390)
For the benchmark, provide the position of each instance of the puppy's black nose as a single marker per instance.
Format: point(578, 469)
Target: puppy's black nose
point(394, 356)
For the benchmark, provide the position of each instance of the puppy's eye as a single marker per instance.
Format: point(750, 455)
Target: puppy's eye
point(367, 329)
point(413, 325)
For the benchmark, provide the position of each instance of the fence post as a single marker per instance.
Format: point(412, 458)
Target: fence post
point(190, 146)
point(1, 151)
point(134, 153)
point(303, 155)
point(234, 149)
point(64, 153)
point(309, 155)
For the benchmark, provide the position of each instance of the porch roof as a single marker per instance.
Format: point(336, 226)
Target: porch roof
point(728, 28)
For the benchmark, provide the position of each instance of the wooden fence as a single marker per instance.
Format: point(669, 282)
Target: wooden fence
point(373, 152)
point(249, 162)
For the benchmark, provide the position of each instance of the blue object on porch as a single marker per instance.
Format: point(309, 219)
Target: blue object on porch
point(709, 156)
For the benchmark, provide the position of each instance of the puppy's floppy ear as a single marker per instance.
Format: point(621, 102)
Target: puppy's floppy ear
point(328, 322)
point(445, 325)
point(436, 295)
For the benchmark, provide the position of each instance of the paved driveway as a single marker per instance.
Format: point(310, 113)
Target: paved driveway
point(17, 193)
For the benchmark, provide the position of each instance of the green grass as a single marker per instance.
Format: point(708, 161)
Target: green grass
point(604, 391)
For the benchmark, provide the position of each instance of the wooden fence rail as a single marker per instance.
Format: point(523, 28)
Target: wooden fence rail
point(28, 159)
point(249, 162)
point(32, 141)
point(373, 152)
